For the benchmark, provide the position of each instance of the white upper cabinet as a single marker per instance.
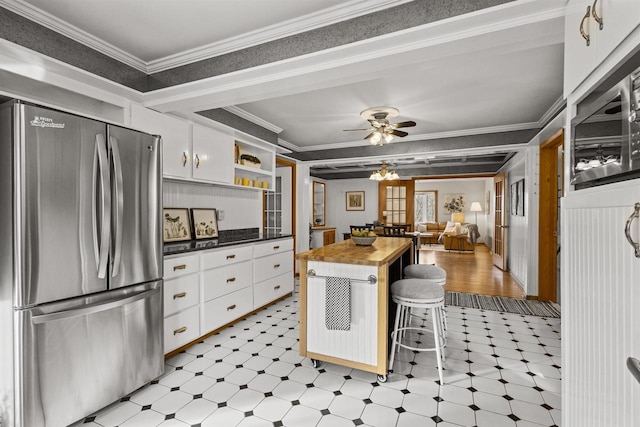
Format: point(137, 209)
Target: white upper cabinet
point(212, 155)
point(593, 29)
point(176, 139)
point(199, 153)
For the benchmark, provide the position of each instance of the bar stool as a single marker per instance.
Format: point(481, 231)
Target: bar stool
point(426, 271)
point(429, 272)
point(424, 294)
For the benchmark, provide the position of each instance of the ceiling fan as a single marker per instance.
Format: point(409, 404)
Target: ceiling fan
point(381, 130)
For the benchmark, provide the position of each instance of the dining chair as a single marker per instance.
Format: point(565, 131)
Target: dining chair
point(393, 230)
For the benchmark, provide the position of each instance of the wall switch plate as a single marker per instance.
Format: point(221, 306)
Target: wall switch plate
point(220, 215)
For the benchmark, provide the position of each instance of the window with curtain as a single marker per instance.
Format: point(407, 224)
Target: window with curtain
point(425, 206)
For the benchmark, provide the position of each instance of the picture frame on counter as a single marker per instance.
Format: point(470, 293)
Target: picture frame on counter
point(205, 223)
point(176, 225)
point(355, 200)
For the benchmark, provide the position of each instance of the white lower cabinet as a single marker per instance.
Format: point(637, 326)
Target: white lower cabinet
point(272, 289)
point(220, 311)
point(208, 289)
point(181, 328)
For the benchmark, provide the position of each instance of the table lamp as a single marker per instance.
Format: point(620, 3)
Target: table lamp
point(475, 207)
point(457, 217)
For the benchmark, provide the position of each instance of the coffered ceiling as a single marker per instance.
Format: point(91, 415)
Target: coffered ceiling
point(479, 85)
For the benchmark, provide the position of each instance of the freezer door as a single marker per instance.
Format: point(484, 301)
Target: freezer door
point(61, 188)
point(136, 175)
point(81, 355)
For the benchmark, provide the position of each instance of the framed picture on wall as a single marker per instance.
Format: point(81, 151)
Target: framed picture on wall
point(175, 225)
point(355, 200)
point(205, 223)
point(514, 198)
point(520, 207)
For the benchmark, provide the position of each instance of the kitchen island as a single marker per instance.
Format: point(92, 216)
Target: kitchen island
point(370, 270)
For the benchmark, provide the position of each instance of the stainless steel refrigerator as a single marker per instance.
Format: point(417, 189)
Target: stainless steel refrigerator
point(80, 264)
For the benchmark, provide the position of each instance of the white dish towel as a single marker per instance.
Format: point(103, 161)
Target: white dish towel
point(337, 300)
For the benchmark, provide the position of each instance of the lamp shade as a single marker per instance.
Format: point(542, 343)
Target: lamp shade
point(475, 207)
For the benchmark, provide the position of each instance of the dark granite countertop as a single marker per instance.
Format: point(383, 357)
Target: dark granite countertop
point(229, 239)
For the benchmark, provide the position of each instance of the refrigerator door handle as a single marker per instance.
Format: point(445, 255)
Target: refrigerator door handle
point(101, 237)
point(94, 308)
point(119, 205)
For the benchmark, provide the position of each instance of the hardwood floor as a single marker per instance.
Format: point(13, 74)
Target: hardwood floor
point(473, 273)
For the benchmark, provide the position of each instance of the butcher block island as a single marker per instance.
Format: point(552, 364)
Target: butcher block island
point(345, 305)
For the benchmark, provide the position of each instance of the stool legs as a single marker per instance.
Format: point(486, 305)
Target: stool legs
point(402, 324)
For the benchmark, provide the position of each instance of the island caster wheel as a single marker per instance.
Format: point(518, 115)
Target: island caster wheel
point(314, 363)
point(382, 378)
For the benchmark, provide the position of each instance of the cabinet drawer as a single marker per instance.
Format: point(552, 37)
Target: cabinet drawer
point(222, 257)
point(272, 247)
point(225, 309)
point(273, 265)
point(181, 265)
point(181, 328)
point(180, 293)
point(272, 289)
point(224, 280)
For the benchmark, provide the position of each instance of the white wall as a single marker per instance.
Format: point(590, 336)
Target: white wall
point(518, 233)
point(285, 174)
point(337, 214)
point(473, 190)
point(240, 208)
point(489, 213)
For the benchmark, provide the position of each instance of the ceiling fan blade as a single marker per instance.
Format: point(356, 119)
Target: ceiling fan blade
point(398, 133)
point(369, 136)
point(347, 130)
point(407, 124)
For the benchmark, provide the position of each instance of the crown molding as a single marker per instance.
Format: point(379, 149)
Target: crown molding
point(555, 108)
point(417, 154)
point(252, 118)
point(523, 23)
point(308, 22)
point(423, 137)
point(45, 19)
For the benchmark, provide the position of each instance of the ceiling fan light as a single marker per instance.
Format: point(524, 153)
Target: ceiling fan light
point(375, 139)
point(388, 138)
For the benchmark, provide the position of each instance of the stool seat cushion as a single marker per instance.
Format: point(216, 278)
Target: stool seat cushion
point(417, 289)
point(425, 271)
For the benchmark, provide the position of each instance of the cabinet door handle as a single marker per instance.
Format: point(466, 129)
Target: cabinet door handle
point(595, 15)
point(179, 267)
point(231, 279)
point(627, 229)
point(231, 256)
point(197, 161)
point(180, 295)
point(275, 248)
point(275, 288)
point(180, 330)
point(184, 159)
point(582, 32)
point(276, 266)
point(231, 307)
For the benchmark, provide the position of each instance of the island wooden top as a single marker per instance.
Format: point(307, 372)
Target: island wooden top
point(383, 251)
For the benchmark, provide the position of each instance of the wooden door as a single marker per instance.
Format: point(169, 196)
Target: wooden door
point(549, 193)
point(395, 202)
point(499, 222)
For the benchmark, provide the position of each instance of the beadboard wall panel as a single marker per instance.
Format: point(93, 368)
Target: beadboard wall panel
point(242, 208)
point(600, 309)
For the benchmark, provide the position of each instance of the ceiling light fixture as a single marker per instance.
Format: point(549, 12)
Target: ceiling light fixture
point(383, 174)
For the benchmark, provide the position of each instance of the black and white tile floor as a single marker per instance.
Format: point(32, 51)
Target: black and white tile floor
point(501, 370)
